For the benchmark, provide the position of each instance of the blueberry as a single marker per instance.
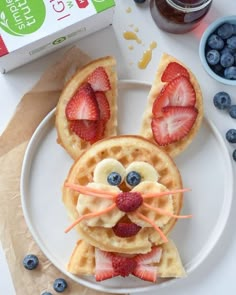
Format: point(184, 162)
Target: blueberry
point(218, 69)
point(133, 178)
point(226, 49)
point(234, 29)
point(230, 73)
point(234, 155)
point(222, 100)
point(213, 57)
point(232, 111)
point(215, 42)
point(46, 293)
point(231, 42)
point(114, 178)
point(225, 31)
point(60, 285)
point(226, 60)
point(30, 261)
point(231, 135)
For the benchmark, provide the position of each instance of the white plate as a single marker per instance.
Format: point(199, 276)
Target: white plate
point(205, 167)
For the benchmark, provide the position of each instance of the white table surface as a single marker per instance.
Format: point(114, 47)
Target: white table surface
point(216, 275)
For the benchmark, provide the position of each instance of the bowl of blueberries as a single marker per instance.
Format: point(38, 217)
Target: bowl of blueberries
point(217, 50)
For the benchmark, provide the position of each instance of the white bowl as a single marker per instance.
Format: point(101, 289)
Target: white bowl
point(202, 47)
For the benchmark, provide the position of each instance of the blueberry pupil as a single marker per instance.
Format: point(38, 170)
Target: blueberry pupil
point(114, 178)
point(133, 178)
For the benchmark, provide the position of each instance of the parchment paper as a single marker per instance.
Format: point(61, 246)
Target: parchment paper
point(14, 234)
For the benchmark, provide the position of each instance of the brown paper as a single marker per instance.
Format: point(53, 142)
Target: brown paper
point(14, 234)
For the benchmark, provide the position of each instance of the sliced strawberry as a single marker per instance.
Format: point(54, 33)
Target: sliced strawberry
point(154, 256)
point(85, 129)
point(100, 129)
point(99, 80)
point(83, 105)
point(178, 92)
point(124, 230)
point(103, 105)
point(146, 272)
point(172, 71)
point(123, 266)
point(174, 125)
point(103, 269)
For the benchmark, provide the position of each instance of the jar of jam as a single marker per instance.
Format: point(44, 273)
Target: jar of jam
point(179, 16)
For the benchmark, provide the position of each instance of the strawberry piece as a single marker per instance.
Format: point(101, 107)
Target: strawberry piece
point(103, 105)
point(83, 105)
point(178, 92)
point(129, 201)
point(99, 80)
point(123, 266)
point(85, 129)
point(172, 71)
point(103, 269)
point(146, 272)
point(100, 129)
point(154, 256)
point(125, 230)
point(174, 125)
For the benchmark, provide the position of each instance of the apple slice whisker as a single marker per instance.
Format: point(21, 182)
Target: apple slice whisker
point(89, 215)
point(91, 191)
point(163, 237)
point(164, 212)
point(164, 193)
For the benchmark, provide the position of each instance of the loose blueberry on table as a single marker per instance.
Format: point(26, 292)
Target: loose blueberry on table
point(30, 261)
point(222, 100)
point(234, 155)
point(220, 51)
point(231, 135)
point(60, 285)
point(232, 111)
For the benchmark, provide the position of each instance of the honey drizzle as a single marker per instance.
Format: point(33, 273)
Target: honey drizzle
point(147, 56)
point(128, 35)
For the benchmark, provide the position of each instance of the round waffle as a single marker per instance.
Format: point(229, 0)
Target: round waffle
point(72, 143)
point(174, 148)
point(125, 149)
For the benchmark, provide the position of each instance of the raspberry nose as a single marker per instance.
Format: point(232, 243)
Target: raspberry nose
point(129, 201)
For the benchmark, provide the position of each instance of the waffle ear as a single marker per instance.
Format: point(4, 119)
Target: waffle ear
point(82, 261)
point(158, 86)
point(67, 136)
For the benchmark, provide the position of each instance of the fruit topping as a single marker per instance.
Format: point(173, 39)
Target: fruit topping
point(145, 170)
point(220, 51)
point(105, 167)
point(125, 230)
point(85, 129)
point(129, 201)
point(172, 71)
point(83, 105)
point(231, 135)
point(114, 178)
point(109, 265)
point(103, 105)
point(99, 80)
point(60, 285)
point(178, 92)
point(30, 261)
point(123, 266)
point(222, 100)
point(133, 178)
point(175, 124)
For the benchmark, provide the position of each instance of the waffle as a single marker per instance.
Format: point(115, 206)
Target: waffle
point(65, 137)
point(125, 149)
point(82, 261)
point(175, 148)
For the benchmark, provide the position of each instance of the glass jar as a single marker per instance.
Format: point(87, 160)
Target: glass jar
point(179, 16)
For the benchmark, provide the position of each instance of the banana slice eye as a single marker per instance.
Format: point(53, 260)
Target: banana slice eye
point(139, 171)
point(109, 171)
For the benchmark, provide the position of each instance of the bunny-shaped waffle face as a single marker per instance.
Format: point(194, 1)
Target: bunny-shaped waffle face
point(124, 193)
